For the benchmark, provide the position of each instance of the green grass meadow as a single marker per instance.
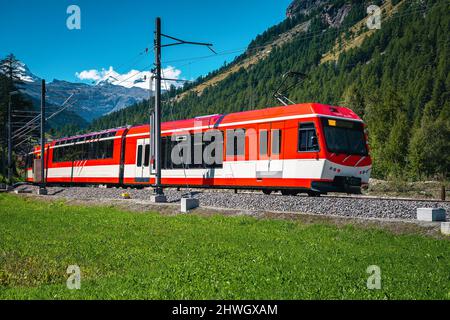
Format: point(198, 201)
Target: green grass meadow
point(128, 255)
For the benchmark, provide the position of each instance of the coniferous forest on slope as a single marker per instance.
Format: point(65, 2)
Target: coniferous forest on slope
point(397, 80)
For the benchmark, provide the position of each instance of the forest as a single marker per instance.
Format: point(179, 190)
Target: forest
point(397, 80)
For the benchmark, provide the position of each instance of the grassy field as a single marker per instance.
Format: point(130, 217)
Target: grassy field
point(147, 255)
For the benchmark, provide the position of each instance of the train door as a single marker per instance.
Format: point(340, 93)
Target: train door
point(262, 152)
point(275, 165)
point(142, 167)
point(270, 142)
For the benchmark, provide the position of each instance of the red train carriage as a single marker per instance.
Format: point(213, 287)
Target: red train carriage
point(311, 147)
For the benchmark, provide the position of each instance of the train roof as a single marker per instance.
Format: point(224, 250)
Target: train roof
point(280, 113)
point(244, 117)
point(90, 134)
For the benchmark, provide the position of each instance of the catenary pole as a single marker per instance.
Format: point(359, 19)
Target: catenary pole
point(9, 140)
point(157, 120)
point(158, 189)
point(42, 189)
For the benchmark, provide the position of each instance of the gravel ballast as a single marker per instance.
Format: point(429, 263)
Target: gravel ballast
point(256, 201)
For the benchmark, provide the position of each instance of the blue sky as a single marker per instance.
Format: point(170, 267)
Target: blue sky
point(113, 33)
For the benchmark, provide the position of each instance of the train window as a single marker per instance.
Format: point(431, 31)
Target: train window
point(77, 152)
point(165, 152)
point(101, 150)
point(343, 136)
point(307, 137)
point(263, 142)
point(230, 143)
point(55, 154)
point(276, 141)
point(215, 154)
point(108, 148)
point(197, 148)
point(98, 150)
point(139, 156)
point(91, 146)
point(235, 142)
point(197, 145)
point(59, 155)
point(147, 155)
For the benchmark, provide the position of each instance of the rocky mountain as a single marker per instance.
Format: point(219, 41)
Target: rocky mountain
point(303, 7)
point(89, 101)
point(333, 13)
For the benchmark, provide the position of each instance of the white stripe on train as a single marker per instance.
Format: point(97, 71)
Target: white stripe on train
point(292, 169)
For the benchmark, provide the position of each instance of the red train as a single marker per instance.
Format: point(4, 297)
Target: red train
point(310, 147)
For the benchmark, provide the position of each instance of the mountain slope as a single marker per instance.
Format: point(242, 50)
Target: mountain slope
point(396, 78)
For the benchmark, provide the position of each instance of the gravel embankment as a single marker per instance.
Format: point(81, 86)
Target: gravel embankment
point(256, 201)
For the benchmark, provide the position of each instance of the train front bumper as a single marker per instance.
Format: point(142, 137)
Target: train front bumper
point(346, 184)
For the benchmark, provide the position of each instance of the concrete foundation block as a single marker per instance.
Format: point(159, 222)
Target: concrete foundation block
point(431, 214)
point(445, 228)
point(42, 192)
point(158, 198)
point(188, 204)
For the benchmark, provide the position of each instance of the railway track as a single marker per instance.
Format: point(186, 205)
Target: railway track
point(387, 198)
point(340, 205)
point(361, 197)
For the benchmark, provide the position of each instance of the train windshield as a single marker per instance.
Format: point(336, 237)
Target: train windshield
point(344, 136)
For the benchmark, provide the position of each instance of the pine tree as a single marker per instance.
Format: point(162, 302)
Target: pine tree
point(10, 80)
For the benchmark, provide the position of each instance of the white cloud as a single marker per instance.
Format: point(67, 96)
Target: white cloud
point(88, 75)
point(132, 78)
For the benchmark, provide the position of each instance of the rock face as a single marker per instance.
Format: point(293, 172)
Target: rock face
point(335, 20)
point(302, 7)
point(332, 13)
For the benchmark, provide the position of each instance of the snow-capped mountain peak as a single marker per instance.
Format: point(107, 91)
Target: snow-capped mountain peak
point(108, 93)
point(25, 74)
point(131, 79)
